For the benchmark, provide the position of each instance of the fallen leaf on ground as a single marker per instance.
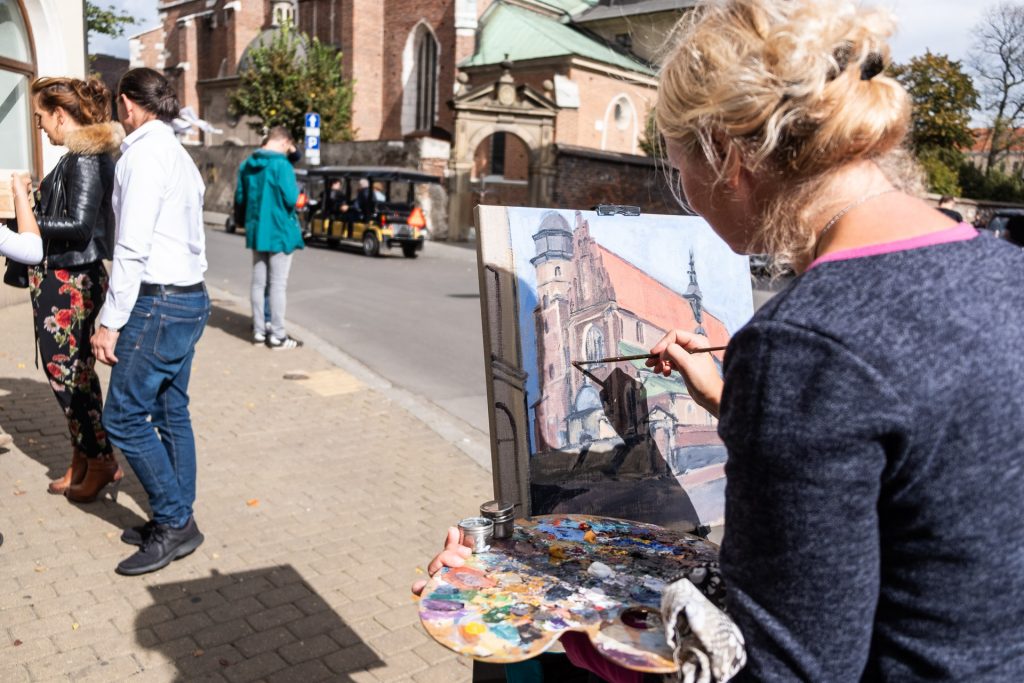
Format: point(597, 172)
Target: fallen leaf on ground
point(74, 626)
point(17, 643)
point(252, 502)
point(40, 569)
point(198, 653)
point(19, 492)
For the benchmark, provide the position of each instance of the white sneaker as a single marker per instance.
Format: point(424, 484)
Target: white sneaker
point(286, 343)
point(258, 338)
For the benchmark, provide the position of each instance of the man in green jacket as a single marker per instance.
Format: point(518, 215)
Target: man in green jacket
point(268, 191)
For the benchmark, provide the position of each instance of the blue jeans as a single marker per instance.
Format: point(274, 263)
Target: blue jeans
point(150, 381)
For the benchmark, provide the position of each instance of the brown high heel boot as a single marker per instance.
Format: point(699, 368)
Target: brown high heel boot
point(74, 475)
point(100, 471)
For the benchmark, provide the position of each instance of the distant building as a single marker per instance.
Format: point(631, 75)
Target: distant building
point(109, 69)
point(1012, 163)
point(496, 89)
point(405, 56)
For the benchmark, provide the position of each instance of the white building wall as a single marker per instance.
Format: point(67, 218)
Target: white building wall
point(58, 34)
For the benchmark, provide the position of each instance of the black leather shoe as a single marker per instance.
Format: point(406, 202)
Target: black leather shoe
point(137, 535)
point(164, 545)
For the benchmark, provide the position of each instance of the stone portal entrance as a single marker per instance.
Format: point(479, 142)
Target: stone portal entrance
point(520, 114)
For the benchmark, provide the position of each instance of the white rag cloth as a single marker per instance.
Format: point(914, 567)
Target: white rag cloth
point(706, 644)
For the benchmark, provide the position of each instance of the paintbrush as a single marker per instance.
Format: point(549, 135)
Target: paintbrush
point(640, 356)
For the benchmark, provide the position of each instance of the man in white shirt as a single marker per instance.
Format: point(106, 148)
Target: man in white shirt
point(155, 312)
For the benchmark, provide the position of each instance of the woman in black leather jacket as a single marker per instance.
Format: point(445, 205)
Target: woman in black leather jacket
point(76, 222)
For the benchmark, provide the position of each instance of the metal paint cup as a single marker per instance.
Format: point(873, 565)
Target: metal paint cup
point(503, 516)
point(477, 533)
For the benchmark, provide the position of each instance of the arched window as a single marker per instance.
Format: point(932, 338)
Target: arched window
point(640, 332)
point(595, 344)
point(17, 69)
point(558, 271)
point(551, 370)
point(419, 79)
point(546, 301)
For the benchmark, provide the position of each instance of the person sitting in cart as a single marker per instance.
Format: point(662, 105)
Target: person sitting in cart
point(366, 201)
point(337, 202)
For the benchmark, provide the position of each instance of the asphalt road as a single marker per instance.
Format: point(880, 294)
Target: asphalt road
point(416, 321)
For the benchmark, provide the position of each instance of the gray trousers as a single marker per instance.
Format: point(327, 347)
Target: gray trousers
point(278, 264)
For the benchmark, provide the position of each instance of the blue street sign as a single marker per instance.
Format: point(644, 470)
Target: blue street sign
point(312, 142)
point(312, 120)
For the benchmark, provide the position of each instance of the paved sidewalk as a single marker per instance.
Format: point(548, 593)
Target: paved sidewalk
point(319, 498)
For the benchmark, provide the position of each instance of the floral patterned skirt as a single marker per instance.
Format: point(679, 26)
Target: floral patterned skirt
point(65, 303)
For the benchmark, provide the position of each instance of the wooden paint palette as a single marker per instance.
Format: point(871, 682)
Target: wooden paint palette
point(559, 573)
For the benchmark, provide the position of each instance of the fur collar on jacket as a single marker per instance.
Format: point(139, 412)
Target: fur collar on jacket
point(98, 138)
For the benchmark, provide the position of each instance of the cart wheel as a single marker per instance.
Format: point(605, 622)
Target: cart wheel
point(409, 250)
point(371, 245)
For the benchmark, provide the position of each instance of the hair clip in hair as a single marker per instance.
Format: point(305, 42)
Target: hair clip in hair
point(872, 66)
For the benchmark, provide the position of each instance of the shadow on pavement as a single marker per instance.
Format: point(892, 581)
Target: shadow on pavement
point(265, 624)
point(231, 321)
point(29, 413)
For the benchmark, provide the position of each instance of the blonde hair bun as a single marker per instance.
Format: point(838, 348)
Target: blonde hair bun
point(785, 78)
point(797, 85)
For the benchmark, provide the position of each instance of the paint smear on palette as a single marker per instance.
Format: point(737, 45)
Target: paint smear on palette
point(561, 573)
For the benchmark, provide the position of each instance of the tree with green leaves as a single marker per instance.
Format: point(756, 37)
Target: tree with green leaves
point(943, 96)
point(292, 74)
point(107, 22)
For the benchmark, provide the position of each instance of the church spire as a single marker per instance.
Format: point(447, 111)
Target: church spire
point(695, 297)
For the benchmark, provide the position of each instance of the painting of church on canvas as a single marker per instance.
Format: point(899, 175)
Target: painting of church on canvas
point(619, 440)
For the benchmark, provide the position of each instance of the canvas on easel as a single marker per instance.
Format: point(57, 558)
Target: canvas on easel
point(618, 441)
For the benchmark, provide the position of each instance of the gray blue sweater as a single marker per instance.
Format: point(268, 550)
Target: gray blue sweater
point(874, 416)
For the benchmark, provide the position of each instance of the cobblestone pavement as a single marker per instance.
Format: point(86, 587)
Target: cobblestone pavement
point(319, 499)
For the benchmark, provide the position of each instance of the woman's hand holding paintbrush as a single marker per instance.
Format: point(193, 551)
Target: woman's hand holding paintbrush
point(678, 350)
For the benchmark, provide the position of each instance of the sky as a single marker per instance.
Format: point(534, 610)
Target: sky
point(939, 25)
point(143, 10)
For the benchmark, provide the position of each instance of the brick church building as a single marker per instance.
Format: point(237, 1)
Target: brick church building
point(406, 57)
point(533, 80)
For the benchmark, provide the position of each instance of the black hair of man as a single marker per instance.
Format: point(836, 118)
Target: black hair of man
point(151, 91)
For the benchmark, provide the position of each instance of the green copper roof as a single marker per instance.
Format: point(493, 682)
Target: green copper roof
point(524, 35)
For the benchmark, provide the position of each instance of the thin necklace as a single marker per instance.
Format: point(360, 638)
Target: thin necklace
point(849, 207)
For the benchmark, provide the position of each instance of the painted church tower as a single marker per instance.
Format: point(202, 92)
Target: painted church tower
point(553, 261)
point(696, 298)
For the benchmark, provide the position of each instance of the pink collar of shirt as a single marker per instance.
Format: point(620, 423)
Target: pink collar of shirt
point(960, 233)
